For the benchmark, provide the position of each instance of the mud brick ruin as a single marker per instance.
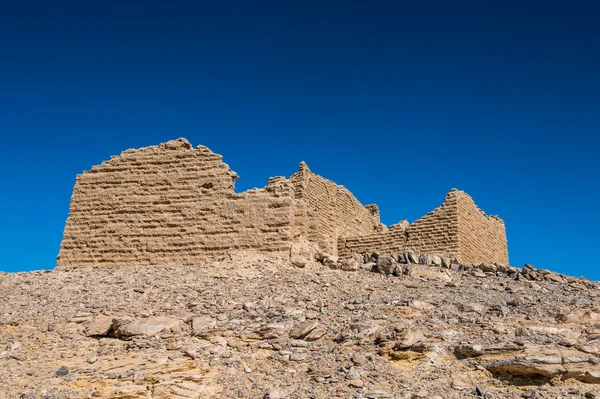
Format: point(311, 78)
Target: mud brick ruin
point(172, 204)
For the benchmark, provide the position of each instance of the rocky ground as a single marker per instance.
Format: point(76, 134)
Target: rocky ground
point(256, 326)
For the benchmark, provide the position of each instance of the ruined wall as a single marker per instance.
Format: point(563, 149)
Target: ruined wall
point(388, 241)
point(435, 233)
point(456, 229)
point(325, 211)
point(170, 204)
point(482, 237)
point(438, 231)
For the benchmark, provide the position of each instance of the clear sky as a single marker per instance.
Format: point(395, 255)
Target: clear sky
point(398, 101)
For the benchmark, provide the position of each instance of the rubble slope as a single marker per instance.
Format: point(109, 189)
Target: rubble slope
point(255, 326)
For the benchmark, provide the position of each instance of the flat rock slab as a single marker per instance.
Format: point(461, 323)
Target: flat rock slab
point(149, 326)
point(431, 274)
point(548, 362)
point(100, 326)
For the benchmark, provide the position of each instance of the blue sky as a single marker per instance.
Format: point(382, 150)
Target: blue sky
point(398, 101)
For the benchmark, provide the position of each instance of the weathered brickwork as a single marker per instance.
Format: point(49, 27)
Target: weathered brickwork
point(457, 229)
point(172, 204)
point(387, 241)
point(326, 211)
point(482, 237)
point(437, 232)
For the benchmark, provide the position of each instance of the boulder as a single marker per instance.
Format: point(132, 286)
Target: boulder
point(118, 322)
point(277, 393)
point(350, 265)
point(149, 326)
point(62, 372)
point(528, 267)
point(533, 276)
point(370, 266)
point(421, 272)
point(304, 329)
point(421, 305)
point(358, 358)
point(101, 326)
point(386, 265)
point(320, 256)
point(436, 260)
point(203, 323)
point(472, 307)
point(332, 262)
point(411, 256)
point(446, 262)
point(352, 374)
point(409, 337)
point(501, 267)
point(301, 253)
point(356, 383)
point(299, 261)
point(488, 267)
point(272, 330)
point(477, 272)
point(555, 277)
point(315, 334)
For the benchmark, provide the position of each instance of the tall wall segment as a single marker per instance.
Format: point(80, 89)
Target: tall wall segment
point(170, 204)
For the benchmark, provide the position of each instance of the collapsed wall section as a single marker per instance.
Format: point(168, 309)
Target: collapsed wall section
point(325, 211)
point(388, 241)
point(435, 233)
point(482, 237)
point(170, 205)
point(457, 229)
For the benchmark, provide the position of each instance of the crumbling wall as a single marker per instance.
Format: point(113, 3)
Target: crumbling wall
point(457, 229)
point(482, 238)
point(438, 231)
point(170, 205)
point(435, 233)
point(387, 241)
point(325, 211)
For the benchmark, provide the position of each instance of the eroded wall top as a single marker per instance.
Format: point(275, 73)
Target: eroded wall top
point(326, 211)
point(170, 204)
point(456, 229)
point(482, 237)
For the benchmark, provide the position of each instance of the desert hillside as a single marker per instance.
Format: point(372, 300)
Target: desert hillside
point(256, 326)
